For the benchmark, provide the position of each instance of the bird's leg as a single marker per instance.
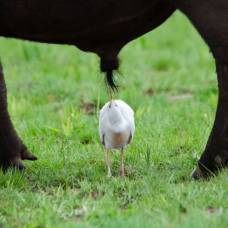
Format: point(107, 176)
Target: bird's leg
point(107, 161)
point(122, 171)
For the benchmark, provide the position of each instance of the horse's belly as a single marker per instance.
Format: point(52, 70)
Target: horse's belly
point(92, 25)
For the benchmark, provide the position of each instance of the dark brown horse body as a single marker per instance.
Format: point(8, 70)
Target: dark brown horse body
point(104, 27)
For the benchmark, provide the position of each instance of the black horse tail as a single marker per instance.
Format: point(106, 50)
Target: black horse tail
point(108, 65)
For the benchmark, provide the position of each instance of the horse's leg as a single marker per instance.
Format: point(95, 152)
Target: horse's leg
point(215, 155)
point(12, 149)
point(211, 19)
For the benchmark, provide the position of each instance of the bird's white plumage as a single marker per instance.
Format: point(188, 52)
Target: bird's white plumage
point(116, 124)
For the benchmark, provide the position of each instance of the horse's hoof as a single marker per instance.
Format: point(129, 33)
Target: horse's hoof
point(26, 154)
point(20, 166)
point(14, 163)
point(219, 162)
point(197, 174)
point(202, 172)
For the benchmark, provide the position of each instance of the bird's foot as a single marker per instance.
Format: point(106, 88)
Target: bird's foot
point(109, 174)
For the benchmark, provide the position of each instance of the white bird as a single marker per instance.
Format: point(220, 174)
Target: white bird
point(116, 128)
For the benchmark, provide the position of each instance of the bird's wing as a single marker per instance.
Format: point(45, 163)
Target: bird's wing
point(103, 110)
point(103, 139)
point(130, 138)
point(101, 130)
point(132, 128)
point(127, 110)
point(128, 114)
point(101, 120)
point(102, 124)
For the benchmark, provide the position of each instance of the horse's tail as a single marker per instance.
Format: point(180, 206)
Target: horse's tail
point(108, 65)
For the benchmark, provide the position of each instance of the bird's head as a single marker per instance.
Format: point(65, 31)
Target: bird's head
point(112, 105)
point(114, 111)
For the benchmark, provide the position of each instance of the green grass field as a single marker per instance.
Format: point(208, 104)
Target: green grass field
point(168, 77)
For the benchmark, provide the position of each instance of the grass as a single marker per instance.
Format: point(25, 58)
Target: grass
point(168, 77)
